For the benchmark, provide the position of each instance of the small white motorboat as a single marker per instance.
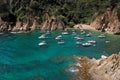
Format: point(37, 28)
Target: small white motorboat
point(61, 42)
point(87, 44)
point(74, 33)
point(42, 43)
point(88, 35)
point(65, 33)
point(83, 32)
point(47, 32)
point(101, 36)
point(42, 36)
point(92, 41)
point(79, 38)
point(58, 37)
point(107, 41)
point(78, 42)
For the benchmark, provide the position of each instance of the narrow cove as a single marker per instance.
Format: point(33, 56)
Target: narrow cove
point(21, 58)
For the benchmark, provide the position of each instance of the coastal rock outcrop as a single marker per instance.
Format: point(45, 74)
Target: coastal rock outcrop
point(100, 69)
point(31, 24)
point(20, 26)
point(52, 24)
point(107, 22)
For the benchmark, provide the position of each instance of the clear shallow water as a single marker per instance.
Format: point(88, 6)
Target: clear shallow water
point(22, 59)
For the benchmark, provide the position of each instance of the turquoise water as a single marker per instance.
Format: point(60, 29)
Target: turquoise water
point(22, 59)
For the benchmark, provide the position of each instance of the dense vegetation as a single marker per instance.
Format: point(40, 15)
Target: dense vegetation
point(69, 11)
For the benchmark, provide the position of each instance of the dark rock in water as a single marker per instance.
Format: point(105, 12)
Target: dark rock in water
point(37, 77)
point(5, 68)
point(52, 24)
point(59, 59)
point(107, 22)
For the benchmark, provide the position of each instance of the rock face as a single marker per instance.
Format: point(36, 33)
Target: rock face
point(31, 24)
point(107, 22)
point(52, 24)
point(101, 69)
point(20, 26)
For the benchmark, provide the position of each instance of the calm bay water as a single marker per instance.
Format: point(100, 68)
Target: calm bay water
point(22, 59)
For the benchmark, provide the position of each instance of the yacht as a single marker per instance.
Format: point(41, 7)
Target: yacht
point(87, 44)
point(78, 42)
point(42, 36)
point(61, 42)
point(107, 41)
point(42, 43)
point(79, 38)
point(83, 32)
point(88, 35)
point(101, 36)
point(65, 33)
point(58, 37)
point(92, 41)
point(74, 33)
point(47, 32)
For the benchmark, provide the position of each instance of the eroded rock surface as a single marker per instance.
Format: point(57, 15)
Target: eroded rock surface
point(107, 22)
point(99, 69)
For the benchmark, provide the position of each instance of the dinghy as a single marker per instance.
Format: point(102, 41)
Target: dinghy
point(42, 43)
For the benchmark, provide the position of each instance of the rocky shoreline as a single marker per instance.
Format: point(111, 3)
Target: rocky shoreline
point(105, 68)
point(107, 22)
point(50, 24)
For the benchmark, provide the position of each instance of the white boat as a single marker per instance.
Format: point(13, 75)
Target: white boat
point(42, 43)
point(78, 42)
point(107, 41)
point(83, 32)
point(74, 33)
point(87, 44)
point(88, 35)
point(58, 37)
point(101, 36)
point(47, 32)
point(65, 33)
point(42, 36)
point(92, 41)
point(79, 38)
point(61, 42)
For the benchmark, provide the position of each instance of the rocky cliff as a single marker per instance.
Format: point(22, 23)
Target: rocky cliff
point(31, 24)
point(52, 24)
point(100, 69)
point(107, 22)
